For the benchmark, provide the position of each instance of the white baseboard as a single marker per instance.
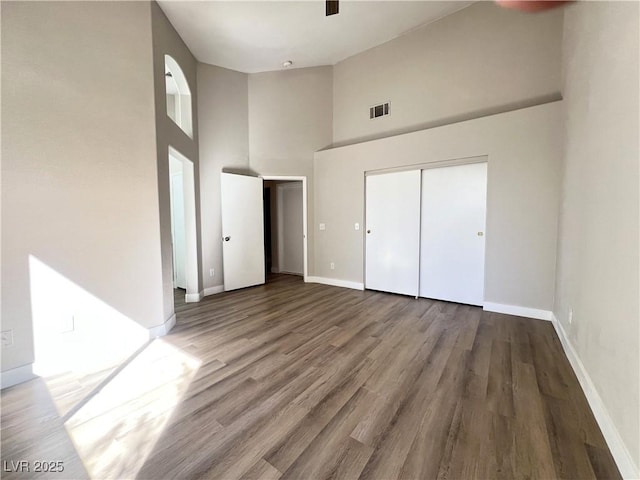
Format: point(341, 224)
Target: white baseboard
point(624, 461)
point(213, 290)
point(17, 375)
point(517, 311)
point(193, 297)
point(162, 330)
point(335, 282)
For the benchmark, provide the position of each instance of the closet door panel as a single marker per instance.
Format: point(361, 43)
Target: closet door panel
point(393, 232)
point(452, 233)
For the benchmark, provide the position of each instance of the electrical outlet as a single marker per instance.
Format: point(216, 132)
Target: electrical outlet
point(211, 272)
point(332, 266)
point(570, 316)
point(7, 338)
point(68, 324)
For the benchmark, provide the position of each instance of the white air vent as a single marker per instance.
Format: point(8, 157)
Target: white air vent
point(379, 110)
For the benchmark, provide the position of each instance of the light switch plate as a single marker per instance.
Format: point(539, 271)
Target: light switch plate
point(7, 338)
point(322, 226)
point(357, 226)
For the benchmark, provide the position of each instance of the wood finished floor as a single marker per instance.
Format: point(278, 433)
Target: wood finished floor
point(306, 381)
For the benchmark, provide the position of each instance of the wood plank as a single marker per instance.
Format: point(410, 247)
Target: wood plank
point(499, 387)
point(303, 380)
point(262, 470)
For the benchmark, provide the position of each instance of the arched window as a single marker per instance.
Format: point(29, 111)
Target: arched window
point(178, 95)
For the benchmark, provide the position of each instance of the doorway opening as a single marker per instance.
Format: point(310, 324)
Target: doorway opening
point(285, 226)
point(183, 227)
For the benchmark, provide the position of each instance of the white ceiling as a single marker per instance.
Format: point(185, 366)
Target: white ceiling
point(258, 36)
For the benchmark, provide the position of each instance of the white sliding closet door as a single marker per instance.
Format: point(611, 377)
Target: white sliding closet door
point(454, 205)
point(393, 232)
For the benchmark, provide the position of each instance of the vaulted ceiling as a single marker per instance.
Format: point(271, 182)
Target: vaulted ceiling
point(259, 36)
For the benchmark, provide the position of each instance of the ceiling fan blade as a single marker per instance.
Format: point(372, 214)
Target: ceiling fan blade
point(332, 7)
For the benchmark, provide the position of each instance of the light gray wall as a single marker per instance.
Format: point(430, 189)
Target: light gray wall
point(523, 149)
point(599, 230)
point(290, 117)
point(289, 223)
point(79, 188)
point(223, 116)
point(481, 60)
point(166, 41)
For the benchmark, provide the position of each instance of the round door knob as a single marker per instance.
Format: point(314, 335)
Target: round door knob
point(226, 239)
point(368, 231)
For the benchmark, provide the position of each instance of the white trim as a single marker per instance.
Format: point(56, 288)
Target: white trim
point(305, 207)
point(453, 162)
point(162, 330)
point(193, 297)
point(213, 290)
point(616, 445)
point(335, 282)
point(17, 375)
point(517, 310)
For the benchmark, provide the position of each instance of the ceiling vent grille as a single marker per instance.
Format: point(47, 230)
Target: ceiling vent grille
point(377, 111)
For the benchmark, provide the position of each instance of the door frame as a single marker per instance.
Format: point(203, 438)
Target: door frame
point(293, 178)
point(191, 236)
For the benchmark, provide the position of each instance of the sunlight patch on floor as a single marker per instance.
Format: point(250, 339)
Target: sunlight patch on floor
point(116, 430)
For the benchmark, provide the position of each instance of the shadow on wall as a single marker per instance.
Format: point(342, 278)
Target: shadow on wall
point(112, 388)
point(241, 171)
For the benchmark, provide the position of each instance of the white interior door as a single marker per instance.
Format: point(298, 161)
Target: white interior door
point(393, 232)
point(453, 215)
point(242, 231)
